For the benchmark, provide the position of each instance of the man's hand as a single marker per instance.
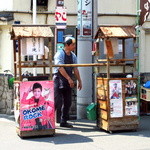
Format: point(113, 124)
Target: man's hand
point(71, 83)
point(79, 85)
point(76, 71)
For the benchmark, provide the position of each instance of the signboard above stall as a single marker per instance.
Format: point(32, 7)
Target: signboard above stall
point(144, 10)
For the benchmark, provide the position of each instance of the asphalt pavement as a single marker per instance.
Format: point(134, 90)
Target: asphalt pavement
point(84, 136)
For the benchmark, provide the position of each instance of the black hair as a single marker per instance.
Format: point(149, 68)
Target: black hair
point(37, 85)
point(68, 42)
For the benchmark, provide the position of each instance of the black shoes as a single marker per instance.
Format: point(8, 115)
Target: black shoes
point(65, 124)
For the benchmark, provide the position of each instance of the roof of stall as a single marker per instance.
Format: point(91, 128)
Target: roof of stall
point(26, 31)
point(115, 32)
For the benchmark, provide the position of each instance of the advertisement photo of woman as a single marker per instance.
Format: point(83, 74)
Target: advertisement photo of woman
point(37, 111)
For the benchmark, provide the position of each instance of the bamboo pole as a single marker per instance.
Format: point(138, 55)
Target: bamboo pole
point(101, 63)
point(73, 65)
point(121, 60)
point(44, 69)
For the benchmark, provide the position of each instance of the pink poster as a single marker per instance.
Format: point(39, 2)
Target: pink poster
point(37, 105)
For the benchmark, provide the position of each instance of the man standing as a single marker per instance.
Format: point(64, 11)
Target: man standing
point(63, 82)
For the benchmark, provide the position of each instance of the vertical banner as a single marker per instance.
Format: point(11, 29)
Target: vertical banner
point(61, 23)
point(37, 105)
point(87, 17)
point(61, 17)
point(79, 22)
point(115, 95)
point(145, 10)
point(84, 18)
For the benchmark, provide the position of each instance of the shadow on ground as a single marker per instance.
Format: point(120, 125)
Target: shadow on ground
point(84, 130)
point(7, 117)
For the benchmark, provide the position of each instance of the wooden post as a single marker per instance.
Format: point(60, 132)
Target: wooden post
point(135, 61)
point(123, 55)
point(15, 65)
point(19, 58)
point(108, 67)
point(44, 69)
point(50, 60)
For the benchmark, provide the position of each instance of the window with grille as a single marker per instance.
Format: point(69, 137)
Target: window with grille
point(41, 4)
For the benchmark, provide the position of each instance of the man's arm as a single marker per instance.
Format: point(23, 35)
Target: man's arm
point(64, 73)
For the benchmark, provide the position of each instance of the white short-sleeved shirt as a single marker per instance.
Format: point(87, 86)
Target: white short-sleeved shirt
point(59, 59)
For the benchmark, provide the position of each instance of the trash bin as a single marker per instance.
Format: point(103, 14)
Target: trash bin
point(91, 111)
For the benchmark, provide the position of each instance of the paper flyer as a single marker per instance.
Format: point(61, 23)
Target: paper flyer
point(116, 102)
point(131, 107)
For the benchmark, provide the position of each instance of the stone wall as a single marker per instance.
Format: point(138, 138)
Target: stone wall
point(6, 96)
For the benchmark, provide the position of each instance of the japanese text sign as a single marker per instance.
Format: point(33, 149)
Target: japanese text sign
point(60, 17)
point(145, 10)
point(85, 17)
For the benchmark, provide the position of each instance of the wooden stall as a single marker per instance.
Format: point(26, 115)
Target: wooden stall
point(34, 115)
point(116, 83)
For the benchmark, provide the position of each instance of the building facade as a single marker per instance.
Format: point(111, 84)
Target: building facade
point(120, 13)
point(108, 13)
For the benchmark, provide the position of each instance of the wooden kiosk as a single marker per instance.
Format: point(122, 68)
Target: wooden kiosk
point(34, 116)
point(116, 85)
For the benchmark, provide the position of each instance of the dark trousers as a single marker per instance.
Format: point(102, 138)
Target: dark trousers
point(62, 97)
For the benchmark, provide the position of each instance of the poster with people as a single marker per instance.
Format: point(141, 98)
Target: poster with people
point(115, 95)
point(131, 102)
point(115, 89)
point(37, 105)
point(131, 107)
point(130, 88)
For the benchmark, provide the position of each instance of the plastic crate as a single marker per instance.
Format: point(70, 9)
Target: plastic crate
point(144, 107)
point(91, 111)
point(145, 94)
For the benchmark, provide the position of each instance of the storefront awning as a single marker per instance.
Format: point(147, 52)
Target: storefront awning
point(115, 32)
point(20, 31)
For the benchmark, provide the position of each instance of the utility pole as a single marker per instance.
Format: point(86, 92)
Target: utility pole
point(84, 47)
point(34, 22)
point(60, 18)
point(34, 11)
